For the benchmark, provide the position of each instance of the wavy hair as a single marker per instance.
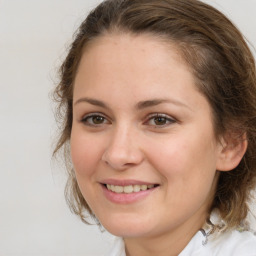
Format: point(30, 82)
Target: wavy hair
point(219, 59)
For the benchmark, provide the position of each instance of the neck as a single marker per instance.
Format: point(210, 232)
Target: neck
point(170, 243)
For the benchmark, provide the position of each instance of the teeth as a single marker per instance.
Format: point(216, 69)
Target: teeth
point(119, 189)
point(136, 188)
point(144, 187)
point(128, 189)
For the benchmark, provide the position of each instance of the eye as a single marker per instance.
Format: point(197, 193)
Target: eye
point(94, 120)
point(159, 120)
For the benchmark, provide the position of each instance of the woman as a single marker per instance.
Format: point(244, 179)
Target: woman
point(159, 115)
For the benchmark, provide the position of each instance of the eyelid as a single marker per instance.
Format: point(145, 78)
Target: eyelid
point(93, 114)
point(167, 117)
point(170, 120)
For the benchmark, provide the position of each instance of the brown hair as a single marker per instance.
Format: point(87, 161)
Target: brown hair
point(221, 62)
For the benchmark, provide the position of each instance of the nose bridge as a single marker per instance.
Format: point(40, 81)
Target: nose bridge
point(123, 149)
point(121, 135)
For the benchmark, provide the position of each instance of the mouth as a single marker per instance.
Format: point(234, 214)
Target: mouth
point(129, 188)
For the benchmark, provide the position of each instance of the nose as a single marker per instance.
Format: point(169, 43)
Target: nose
point(123, 150)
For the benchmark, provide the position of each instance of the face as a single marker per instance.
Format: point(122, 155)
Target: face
point(142, 140)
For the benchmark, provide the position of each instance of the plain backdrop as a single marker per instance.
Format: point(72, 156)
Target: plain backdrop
point(34, 35)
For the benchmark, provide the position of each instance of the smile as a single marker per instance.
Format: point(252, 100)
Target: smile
point(128, 189)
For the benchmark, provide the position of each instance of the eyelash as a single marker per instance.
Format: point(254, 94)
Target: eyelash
point(88, 117)
point(168, 120)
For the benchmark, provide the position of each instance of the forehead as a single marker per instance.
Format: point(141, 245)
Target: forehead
point(125, 69)
point(142, 55)
point(140, 43)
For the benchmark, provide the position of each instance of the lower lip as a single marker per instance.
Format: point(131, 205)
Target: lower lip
point(123, 198)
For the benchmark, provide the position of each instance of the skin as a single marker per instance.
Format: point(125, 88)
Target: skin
point(125, 141)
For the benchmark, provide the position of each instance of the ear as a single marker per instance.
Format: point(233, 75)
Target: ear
point(232, 148)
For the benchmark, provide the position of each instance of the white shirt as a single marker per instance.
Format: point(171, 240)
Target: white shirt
point(230, 243)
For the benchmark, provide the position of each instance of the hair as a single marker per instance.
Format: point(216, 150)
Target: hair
point(218, 57)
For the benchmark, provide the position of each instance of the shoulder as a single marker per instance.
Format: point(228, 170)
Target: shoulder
point(233, 243)
point(230, 243)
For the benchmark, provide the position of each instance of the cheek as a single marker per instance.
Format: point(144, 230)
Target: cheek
point(85, 153)
point(188, 168)
point(169, 154)
point(185, 157)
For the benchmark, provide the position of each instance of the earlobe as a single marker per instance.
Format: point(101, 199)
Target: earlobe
point(231, 151)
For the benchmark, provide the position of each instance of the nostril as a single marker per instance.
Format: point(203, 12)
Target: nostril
point(122, 152)
point(123, 159)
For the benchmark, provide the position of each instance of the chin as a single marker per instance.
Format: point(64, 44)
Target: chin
point(127, 232)
point(123, 227)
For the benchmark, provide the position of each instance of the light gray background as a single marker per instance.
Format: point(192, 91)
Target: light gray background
point(34, 219)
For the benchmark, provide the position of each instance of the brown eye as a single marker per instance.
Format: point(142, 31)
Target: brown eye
point(159, 120)
point(94, 120)
point(98, 119)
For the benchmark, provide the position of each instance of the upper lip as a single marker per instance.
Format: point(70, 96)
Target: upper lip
point(128, 182)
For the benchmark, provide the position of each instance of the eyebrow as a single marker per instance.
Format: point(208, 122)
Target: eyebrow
point(155, 102)
point(92, 102)
point(140, 105)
